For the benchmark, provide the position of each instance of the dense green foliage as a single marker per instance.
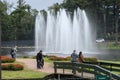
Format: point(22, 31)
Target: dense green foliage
point(7, 64)
point(19, 24)
point(12, 67)
point(55, 58)
point(5, 59)
point(103, 15)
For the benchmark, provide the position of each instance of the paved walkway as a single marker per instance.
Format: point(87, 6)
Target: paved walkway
point(48, 68)
point(31, 64)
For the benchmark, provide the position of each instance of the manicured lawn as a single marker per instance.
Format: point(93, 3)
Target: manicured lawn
point(118, 62)
point(22, 74)
point(26, 73)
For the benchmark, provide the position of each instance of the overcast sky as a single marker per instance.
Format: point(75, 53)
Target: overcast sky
point(38, 4)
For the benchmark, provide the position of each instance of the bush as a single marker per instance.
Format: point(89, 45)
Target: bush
point(25, 56)
point(92, 59)
point(13, 67)
point(34, 57)
point(55, 58)
point(6, 59)
point(87, 59)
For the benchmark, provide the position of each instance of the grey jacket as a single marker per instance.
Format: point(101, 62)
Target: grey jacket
point(74, 57)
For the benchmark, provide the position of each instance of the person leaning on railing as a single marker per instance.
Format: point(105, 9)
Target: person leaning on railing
point(81, 58)
point(74, 56)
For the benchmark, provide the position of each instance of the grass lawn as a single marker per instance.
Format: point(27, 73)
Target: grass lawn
point(26, 73)
point(22, 74)
point(118, 62)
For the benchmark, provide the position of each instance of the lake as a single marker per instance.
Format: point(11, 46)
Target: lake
point(104, 54)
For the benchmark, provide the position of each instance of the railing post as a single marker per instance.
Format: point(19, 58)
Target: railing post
point(55, 68)
point(95, 72)
point(82, 72)
point(110, 67)
point(63, 70)
point(58, 76)
point(110, 76)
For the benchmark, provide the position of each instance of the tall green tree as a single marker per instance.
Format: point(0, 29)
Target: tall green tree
point(116, 14)
point(23, 20)
point(56, 7)
point(3, 12)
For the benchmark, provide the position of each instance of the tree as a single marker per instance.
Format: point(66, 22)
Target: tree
point(23, 20)
point(3, 12)
point(56, 7)
point(116, 14)
point(71, 5)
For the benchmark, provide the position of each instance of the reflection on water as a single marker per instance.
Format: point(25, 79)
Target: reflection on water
point(102, 54)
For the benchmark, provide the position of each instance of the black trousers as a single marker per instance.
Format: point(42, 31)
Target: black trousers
point(40, 64)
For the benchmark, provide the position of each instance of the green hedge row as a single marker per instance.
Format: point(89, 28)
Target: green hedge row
point(13, 67)
point(88, 59)
point(55, 58)
point(5, 59)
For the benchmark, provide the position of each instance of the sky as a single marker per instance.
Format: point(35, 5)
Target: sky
point(38, 4)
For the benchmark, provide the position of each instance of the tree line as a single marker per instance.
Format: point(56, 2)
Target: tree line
point(19, 24)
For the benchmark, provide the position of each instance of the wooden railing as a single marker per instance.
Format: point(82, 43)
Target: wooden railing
point(107, 65)
point(83, 67)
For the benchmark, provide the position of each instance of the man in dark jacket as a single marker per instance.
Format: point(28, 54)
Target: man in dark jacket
point(40, 60)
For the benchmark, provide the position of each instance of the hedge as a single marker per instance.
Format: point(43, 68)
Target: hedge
point(6, 59)
point(55, 58)
point(90, 59)
point(14, 67)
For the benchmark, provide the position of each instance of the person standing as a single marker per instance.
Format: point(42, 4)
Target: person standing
point(74, 57)
point(12, 52)
point(81, 58)
point(40, 60)
point(15, 51)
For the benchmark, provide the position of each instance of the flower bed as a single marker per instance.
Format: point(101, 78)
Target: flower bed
point(55, 58)
point(5, 59)
point(14, 67)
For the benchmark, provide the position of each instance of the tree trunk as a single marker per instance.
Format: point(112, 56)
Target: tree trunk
point(0, 31)
point(0, 47)
point(104, 16)
point(116, 24)
point(116, 17)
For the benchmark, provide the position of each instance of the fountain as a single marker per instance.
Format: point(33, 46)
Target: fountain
point(61, 34)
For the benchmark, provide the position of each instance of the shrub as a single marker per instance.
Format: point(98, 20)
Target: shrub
point(13, 67)
point(90, 59)
point(6, 59)
point(34, 57)
point(25, 56)
point(55, 58)
point(87, 59)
